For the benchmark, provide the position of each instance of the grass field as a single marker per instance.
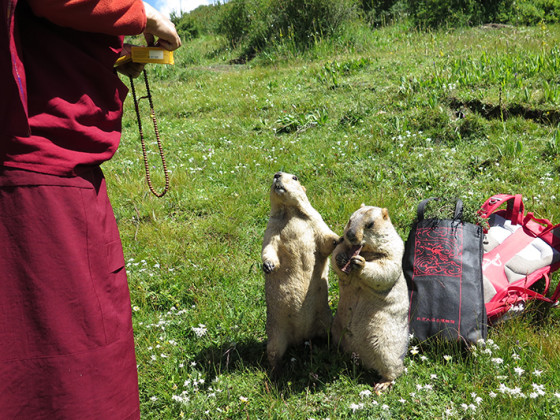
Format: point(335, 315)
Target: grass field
point(386, 118)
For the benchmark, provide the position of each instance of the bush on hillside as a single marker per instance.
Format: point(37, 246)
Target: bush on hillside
point(435, 13)
point(202, 20)
point(253, 25)
point(257, 24)
point(525, 12)
point(186, 26)
point(381, 12)
point(453, 13)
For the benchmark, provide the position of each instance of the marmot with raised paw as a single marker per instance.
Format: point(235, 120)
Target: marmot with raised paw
point(295, 251)
point(371, 320)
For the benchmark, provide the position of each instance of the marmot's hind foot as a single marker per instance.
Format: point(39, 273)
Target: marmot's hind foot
point(383, 386)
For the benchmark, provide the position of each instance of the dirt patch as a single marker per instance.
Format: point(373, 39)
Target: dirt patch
point(490, 111)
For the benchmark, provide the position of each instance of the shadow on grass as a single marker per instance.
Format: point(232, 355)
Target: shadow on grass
point(307, 367)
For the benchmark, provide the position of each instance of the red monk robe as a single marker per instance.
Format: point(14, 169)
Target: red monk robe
point(66, 343)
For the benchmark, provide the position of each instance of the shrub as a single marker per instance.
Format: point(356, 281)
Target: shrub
point(186, 26)
point(257, 24)
point(530, 12)
point(202, 20)
point(434, 13)
point(381, 12)
point(307, 19)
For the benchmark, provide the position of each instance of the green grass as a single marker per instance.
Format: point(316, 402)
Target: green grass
point(386, 118)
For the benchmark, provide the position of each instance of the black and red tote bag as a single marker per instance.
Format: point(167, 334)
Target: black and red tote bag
point(442, 264)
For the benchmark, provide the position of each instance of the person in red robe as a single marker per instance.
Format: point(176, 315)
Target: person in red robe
point(66, 339)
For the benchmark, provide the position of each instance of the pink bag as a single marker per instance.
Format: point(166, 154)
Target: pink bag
point(519, 250)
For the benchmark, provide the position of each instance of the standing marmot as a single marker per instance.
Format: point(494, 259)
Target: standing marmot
point(372, 316)
point(296, 247)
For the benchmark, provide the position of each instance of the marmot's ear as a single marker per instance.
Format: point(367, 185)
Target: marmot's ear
point(385, 213)
point(304, 190)
point(362, 205)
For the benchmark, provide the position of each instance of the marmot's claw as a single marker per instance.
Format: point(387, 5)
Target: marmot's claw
point(341, 259)
point(268, 267)
point(381, 387)
point(358, 261)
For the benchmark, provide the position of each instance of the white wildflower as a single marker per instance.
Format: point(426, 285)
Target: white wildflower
point(539, 389)
point(355, 407)
point(200, 331)
point(365, 393)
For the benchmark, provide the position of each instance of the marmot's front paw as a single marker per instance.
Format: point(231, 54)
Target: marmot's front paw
point(268, 267)
point(358, 262)
point(341, 259)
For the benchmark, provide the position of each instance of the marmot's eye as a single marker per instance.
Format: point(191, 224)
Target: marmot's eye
point(369, 225)
point(294, 178)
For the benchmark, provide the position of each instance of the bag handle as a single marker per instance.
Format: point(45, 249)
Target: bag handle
point(458, 215)
point(556, 294)
point(546, 224)
point(531, 293)
point(507, 297)
point(515, 208)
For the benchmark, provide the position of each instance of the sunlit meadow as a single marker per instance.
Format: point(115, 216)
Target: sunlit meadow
point(385, 117)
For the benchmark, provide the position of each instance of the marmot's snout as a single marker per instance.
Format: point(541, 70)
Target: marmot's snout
point(281, 179)
point(352, 237)
point(277, 182)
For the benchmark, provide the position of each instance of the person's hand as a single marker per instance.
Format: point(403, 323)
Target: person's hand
point(161, 27)
point(130, 68)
